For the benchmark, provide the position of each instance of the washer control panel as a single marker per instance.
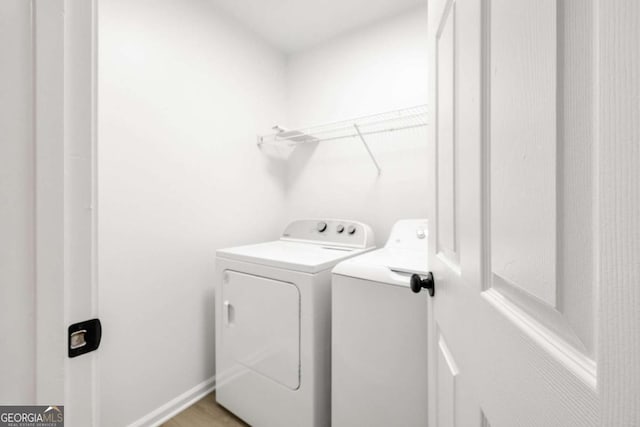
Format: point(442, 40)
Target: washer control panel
point(330, 232)
point(410, 234)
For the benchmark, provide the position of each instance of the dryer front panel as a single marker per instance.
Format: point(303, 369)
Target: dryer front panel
point(261, 326)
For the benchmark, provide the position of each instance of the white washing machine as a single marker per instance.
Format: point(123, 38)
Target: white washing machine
point(379, 334)
point(273, 322)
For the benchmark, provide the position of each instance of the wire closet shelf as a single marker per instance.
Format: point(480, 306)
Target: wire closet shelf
point(389, 121)
point(359, 127)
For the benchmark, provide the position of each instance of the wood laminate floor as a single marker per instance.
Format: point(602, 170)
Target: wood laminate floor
point(205, 412)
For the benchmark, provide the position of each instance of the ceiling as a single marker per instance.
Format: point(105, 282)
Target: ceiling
point(293, 25)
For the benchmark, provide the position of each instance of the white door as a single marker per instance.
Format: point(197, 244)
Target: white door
point(513, 214)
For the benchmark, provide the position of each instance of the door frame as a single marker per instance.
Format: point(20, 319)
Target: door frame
point(81, 278)
point(65, 99)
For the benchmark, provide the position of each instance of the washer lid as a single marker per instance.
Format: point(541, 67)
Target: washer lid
point(290, 255)
point(388, 265)
point(405, 253)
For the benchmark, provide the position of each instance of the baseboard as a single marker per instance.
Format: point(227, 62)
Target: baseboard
point(174, 406)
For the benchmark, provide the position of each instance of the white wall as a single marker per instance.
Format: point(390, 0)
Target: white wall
point(17, 197)
point(375, 69)
point(182, 94)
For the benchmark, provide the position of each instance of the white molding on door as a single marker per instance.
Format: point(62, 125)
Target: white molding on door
point(446, 222)
point(539, 311)
point(447, 372)
point(573, 360)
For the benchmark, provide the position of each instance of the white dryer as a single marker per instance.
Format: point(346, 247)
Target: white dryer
point(379, 340)
point(273, 322)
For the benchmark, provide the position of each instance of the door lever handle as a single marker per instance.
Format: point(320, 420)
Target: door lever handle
point(417, 283)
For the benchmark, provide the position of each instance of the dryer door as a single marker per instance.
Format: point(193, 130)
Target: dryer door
point(261, 326)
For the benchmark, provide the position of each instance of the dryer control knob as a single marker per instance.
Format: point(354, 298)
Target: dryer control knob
point(340, 228)
point(322, 226)
point(351, 229)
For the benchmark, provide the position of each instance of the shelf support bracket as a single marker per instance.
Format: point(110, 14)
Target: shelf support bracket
point(368, 149)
